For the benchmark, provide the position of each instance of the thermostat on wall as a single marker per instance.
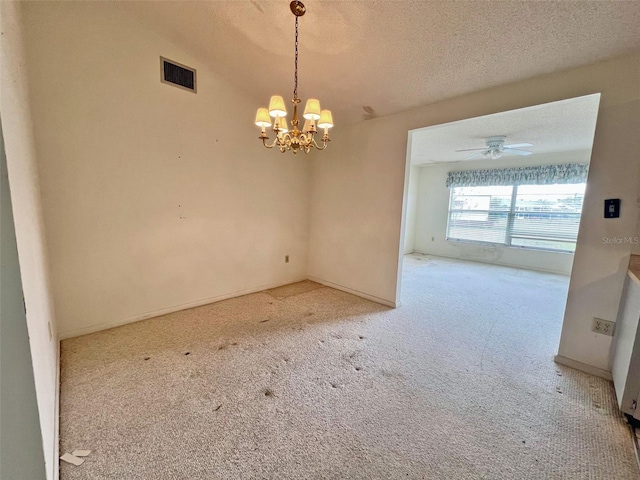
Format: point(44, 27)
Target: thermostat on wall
point(612, 208)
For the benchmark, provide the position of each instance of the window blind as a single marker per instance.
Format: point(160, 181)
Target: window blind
point(533, 216)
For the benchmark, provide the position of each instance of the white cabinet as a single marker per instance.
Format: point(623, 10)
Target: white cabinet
point(625, 361)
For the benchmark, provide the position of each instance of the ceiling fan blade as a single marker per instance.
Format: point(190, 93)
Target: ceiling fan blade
point(524, 153)
point(471, 149)
point(474, 155)
point(518, 145)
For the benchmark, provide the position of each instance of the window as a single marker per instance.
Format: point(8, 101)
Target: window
point(532, 216)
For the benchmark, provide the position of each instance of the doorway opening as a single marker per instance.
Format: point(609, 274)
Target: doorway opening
point(492, 219)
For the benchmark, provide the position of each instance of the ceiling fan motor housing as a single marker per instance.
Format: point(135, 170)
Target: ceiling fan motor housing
point(496, 143)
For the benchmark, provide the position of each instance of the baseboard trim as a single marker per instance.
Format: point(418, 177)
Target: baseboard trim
point(77, 332)
point(490, 262)
point(357, 293)
point(583, 367)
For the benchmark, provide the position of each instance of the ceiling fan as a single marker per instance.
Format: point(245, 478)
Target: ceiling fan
point(495, 148)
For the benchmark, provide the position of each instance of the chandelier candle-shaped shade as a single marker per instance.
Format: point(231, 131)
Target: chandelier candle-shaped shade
point(263, 119)
point(312, 110)
point(326, 120)
point(282, 125)
point(276, 107)
point(294, 139)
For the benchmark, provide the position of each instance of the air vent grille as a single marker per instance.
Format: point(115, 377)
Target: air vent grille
point(173, 73)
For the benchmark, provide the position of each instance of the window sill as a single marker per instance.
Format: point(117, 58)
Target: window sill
point(514, 247)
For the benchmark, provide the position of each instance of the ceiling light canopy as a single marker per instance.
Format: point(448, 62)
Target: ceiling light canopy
point(294, 139)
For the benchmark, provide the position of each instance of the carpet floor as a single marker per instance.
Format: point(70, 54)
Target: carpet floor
point(308, 382)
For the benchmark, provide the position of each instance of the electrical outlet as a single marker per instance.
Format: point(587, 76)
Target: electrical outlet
point(286, 259)
point(604, 327)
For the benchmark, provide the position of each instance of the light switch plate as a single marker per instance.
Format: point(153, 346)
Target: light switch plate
point(612, 208)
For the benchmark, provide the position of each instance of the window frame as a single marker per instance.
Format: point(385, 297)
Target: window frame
point(509, 233)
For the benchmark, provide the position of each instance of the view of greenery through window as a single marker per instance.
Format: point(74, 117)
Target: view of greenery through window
point(532, 216)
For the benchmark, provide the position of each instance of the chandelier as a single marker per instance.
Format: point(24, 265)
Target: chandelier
point(294, 139)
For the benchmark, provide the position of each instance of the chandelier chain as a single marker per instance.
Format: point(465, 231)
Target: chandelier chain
point(295, 88)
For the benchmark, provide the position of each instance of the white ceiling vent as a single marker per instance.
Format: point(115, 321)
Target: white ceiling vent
point(178, 75)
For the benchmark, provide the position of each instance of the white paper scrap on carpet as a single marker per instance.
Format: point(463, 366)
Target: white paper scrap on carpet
point(81, 453)
point(67, 457)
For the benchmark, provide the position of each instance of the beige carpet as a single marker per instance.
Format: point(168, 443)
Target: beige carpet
point(307, 382)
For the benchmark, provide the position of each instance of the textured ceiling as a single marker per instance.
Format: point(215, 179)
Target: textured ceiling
point(393, 55)
point(564, 126)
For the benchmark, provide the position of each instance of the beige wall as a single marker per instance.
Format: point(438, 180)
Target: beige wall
point(411, 208)
point(15, 111)
point(432, 216)
point(357, 194)
point(155, 198)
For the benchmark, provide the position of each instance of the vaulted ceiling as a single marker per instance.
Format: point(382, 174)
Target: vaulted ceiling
point(391, 55)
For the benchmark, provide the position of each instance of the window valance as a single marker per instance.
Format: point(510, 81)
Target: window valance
point(541, 175)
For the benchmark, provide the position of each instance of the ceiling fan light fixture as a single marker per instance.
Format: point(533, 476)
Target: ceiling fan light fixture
point(495, 148)
point(295, 139)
